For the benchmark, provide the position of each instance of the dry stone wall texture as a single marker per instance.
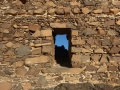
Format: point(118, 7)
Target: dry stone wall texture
point(27, 43)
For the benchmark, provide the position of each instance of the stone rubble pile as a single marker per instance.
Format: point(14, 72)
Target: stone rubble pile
point(27, 50)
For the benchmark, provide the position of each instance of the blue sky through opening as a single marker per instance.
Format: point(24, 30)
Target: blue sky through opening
point(61, 40)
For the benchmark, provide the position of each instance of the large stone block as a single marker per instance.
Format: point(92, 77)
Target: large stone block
point(5, 85)
point(62, 25)
point(80, 58)
point(36, 60)
point(33, 27)
point(46, 32)
point(75, 49)
point(23, 50)
point(74, 32)
point(47, 49)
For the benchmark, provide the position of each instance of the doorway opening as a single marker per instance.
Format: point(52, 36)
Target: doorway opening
point(23, 1)
point(62, 45)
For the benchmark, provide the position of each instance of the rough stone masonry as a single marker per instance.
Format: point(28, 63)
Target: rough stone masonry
point(27, 49)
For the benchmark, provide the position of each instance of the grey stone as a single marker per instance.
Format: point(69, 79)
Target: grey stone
point(89, 3)
point(112, 32)
point(41, 81)
point(23, 50)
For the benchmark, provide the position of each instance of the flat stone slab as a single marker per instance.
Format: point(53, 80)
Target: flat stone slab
point(62, 25)
point(63, 70)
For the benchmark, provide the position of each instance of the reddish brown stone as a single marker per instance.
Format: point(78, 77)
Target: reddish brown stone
point(91, 68)
point(114, 50)
point(33, 27)
point(67, 10)
point(5, 85)
point(21, 71)
point(116, 41)
point(109, 23)
point(106, 10)
point(90, 41)
point(102, 32)
point(96, 57)
point(104, 58)
point(27, 86)
point(112, 68)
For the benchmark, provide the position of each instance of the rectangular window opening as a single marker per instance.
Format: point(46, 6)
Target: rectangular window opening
point(62, 45)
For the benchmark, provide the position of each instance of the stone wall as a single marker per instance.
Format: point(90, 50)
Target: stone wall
point(27, 42)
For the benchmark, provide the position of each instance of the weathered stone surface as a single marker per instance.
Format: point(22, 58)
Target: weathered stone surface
point(76, 10)
point(46, 32)
point(99, 50)
point(78, 42)
point(91, 68)
point(35, 60)
point(51, 11)
point(106, 10)
point(74, 32)
point(67, 10)
point(94, 23)
point(116, 2)
point(109, 23)
point(40, 11)
point(90, 41)
point(12, 12)
point(36, 51)
point(86, 10)
point(9, 44)
point(75, 49)
point(112, 32)
point(104, 58)
point(81, 58)
point(102, 69)
point(96, 57)
point(23, 50)
point(112, 68)
point(41, 81)
point(46, 49)
point(21, 71)
point(118, 22)
point(106, 42)
point(98, 11)
point(63, 70)
point(33, 27)
point(60, 11)
point(50, 4)
point(59, 78)
point(36, 34)
point(74, 3)
point(114, 10)
point(27, 86)
point(19, 63)
point(114, 50)
point(89, 31)
point(89, 3)
point(5, 85)
point(116, 41)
